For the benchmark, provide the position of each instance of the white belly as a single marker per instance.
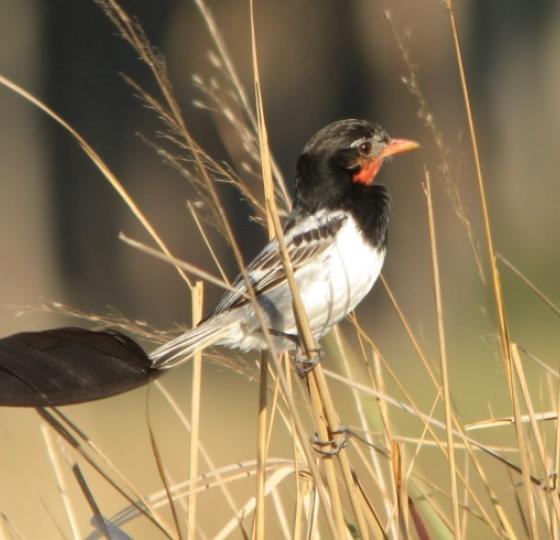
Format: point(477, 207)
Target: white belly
point(329, 291)
point(351, 271)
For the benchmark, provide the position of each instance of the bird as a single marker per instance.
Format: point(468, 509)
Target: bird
point(335, 235)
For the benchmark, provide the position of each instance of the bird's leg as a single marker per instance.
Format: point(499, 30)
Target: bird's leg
point(294, 338)
point(304, 364)
point(335, 444)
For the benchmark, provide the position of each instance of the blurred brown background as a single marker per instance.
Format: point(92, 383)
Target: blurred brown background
point(320, 61)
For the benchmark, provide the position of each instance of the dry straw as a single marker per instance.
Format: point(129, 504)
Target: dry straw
point(375, 487)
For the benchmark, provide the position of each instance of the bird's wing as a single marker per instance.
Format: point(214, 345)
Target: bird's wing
point(307, 240)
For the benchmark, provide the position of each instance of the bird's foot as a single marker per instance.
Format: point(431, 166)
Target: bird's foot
point(307, 362)
point(336, 444)
point(304, 361)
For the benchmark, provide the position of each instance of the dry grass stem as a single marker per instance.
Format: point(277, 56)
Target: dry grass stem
point(443, 359)
point(98, 162)
point(197, 311)
point(61, 483)
point(272, 481)
point(530, 284)
point(524, 456)
point(259, 517)
point(480, 471)
point(66, 430)
point(203, 452)
point(509, 420)
point(195, 271)
point(238, 87)
point(204, 236)
point(346, 360)
point(496, 282)
point(412, 84)
point(545, 464)
point(84, 487)
point(163, 475)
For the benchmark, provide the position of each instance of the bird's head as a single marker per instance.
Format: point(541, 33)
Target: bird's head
point(340, 157)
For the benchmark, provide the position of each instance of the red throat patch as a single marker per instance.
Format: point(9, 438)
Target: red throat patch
point(366, 175)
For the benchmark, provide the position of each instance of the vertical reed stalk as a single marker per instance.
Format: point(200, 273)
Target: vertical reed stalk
point(496, 282)
point(197, 301)
point(259, 517)
point(523, 453)
point(443, 360)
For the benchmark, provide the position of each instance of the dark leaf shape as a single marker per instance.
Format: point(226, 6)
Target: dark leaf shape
point(69, 365)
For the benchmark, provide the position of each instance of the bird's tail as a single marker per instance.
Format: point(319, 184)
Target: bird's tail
point(70, 365)
point(73, 365)
point(190, 342)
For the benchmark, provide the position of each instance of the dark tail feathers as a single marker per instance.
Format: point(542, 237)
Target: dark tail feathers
point(70, 365)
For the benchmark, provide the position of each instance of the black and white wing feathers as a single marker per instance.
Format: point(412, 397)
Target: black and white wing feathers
point(307, 240)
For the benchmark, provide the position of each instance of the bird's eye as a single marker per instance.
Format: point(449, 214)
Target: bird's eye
point(365, 148)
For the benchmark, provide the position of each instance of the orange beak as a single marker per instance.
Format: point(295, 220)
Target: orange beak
point(398, 146)
point(370, 168)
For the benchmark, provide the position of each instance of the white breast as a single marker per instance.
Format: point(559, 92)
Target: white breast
point(330, 288)
point(347, 276)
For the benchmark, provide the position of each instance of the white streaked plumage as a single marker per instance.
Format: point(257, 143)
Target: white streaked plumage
point(334, 265)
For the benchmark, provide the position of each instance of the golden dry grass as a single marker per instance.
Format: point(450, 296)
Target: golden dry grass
point(378, 485)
